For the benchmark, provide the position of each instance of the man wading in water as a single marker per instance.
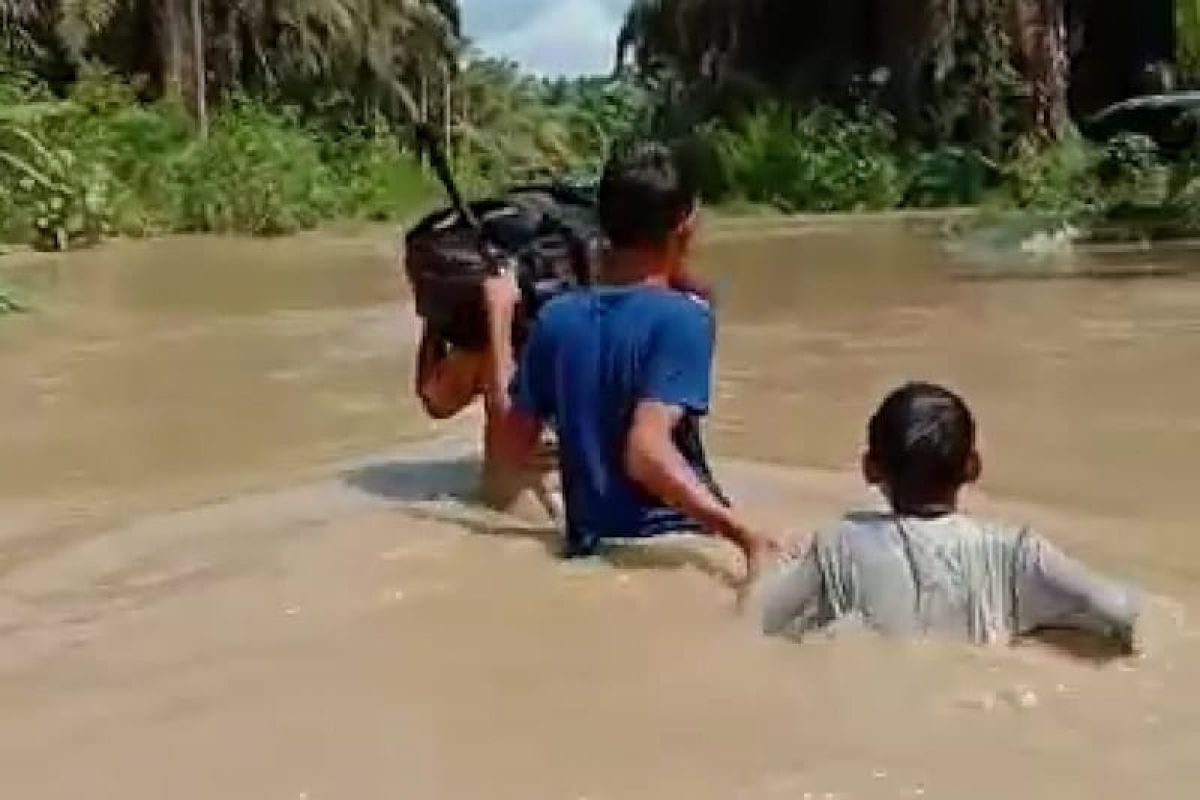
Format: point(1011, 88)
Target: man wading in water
point(621, 372)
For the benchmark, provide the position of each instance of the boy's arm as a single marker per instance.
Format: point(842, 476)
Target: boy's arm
point(793, 595)
point(1053, 590)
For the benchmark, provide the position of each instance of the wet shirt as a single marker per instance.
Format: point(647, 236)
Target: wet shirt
point(952, 576)
point(591, 357)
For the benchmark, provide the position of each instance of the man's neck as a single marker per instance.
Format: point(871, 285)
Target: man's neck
point(636, 268)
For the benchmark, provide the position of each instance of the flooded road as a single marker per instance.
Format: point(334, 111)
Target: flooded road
point(236, 562)
point(188, 367)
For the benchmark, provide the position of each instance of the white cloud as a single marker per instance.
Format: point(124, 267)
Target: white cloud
point(554, 37)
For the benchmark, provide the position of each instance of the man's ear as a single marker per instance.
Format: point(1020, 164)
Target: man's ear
point(685, 229)
point(973, 469)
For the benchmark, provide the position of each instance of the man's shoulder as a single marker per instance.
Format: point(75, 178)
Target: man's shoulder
point(680, 301)
point(656, 308)
point(643, 304)
point(563, 309)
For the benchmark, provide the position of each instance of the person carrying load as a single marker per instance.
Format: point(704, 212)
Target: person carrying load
point(621, 371)
point(549, 238)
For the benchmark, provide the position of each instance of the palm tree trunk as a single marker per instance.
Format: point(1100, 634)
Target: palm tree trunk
point(201, 85)
point(1040, 36)
point(171, 43)
point(179, 41)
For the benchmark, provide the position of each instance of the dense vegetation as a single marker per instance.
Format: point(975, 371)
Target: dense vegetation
point(214, 115)
point(865, 104)
point(827, 160)
point(99, 161)
point(237, 115)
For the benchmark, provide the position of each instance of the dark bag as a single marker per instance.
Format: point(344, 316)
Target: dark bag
point(549, 234)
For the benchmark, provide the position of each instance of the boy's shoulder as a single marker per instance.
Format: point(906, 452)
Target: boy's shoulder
point(873, 519)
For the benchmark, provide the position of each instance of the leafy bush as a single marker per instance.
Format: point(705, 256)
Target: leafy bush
point(1123, 189)
point(823, 161)
point(137, 143)
point(100, 162)
point(1183, 196)
point(375, 180)
point(257, 172)
point(58, 198)
point(1056, 180)
point(1131, 172)
point(949, 175)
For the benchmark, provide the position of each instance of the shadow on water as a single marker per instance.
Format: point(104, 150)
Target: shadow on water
point(416, 481)
point(446, 491)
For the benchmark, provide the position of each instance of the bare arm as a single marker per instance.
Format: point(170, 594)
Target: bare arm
point(513, 434)
point(654, 462)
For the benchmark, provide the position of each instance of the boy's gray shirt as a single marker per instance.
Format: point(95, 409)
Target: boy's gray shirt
point(952, 576)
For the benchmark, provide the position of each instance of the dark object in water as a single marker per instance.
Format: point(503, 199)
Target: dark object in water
point(549, 234)
point(1171, 120)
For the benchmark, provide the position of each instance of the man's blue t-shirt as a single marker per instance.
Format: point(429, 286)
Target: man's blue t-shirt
point(591, 357)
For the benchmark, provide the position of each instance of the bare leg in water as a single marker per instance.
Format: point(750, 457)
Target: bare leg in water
point(531, 493)
point(449, 380)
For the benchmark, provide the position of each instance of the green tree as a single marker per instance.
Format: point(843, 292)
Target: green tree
point(958, 57)
point(372, 51)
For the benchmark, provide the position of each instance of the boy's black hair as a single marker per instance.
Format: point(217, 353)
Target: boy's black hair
point(921, 440)
point(645, 192)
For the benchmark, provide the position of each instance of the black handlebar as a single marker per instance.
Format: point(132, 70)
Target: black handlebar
point(429, 140)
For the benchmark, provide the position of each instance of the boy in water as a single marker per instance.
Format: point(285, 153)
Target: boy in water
point(917, 566)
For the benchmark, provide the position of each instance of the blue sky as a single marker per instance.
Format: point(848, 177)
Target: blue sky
point(555, 37)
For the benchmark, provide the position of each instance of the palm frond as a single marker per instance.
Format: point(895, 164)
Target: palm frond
point(81, 20)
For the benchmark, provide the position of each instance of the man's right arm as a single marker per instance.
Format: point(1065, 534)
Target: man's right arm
point(654, 462)
point(676, 381)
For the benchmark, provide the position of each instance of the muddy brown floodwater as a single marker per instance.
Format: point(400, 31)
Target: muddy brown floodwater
point(236, 562)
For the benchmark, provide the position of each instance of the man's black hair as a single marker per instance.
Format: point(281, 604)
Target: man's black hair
point(644, 194)
point(921, 439)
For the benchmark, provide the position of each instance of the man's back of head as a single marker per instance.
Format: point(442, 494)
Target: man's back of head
point(646, 197)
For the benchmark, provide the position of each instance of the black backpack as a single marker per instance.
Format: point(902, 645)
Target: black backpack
point(549, 234)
